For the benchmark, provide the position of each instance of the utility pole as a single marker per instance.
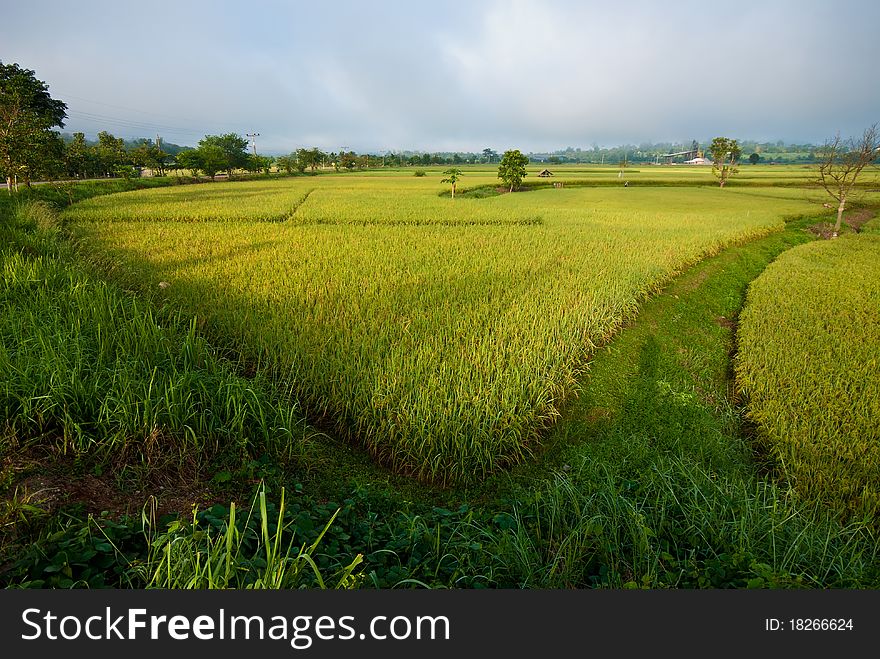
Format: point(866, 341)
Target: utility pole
point(253, 137)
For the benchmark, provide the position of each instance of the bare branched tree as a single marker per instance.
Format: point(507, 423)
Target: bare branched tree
point(840, 164)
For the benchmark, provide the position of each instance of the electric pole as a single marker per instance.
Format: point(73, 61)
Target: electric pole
point(253, 137)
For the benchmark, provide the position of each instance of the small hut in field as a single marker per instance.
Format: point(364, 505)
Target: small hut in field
point(544, 173)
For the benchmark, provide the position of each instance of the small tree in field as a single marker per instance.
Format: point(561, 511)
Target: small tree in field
point(512, 169)
point(840, 164)
point(755, 158)
point(725, 158)
point(452, 176)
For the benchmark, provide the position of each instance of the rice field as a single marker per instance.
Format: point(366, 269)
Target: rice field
point(445, 336)
point(809, 364)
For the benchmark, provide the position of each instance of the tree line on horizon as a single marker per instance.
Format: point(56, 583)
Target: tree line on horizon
point(31, 148)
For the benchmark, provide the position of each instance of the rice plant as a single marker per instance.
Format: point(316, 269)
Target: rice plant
point(809, 364)
point(446, 347)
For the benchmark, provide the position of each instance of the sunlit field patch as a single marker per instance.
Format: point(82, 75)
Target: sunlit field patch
point(809, 363)
point(445, 346)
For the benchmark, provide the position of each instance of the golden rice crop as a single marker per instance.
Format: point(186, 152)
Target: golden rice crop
point(246, 201)
point(445, 348)
point(809, 363)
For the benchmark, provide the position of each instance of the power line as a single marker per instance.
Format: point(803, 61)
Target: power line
point(140, 124)
point(124, 107)
point(128, 123)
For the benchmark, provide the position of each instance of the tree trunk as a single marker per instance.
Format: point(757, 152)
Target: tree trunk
point(9, 184)
point(840, 208)
point(453, 190)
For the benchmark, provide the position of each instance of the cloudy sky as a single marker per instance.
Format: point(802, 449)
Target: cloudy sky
point(454, 75)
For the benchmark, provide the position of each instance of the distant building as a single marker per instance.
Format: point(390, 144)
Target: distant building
point(544, 173)
point(698, 161)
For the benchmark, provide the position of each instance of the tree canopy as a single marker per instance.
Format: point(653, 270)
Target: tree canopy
point(512, 169)
point(28, 145)
point(234, 150)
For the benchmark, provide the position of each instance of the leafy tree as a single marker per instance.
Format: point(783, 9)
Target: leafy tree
point(190, 159)
point(148, 154)
point(725, 156)
point(314, 158)
point(288, 163)
point(259, 164)
point(348, 160)
point(28, 146)
point(110, 152)
point(755, 158)
point(78, 157)
point(233, 147)
point(317, 158)
point(489, 154)
point(304, 159)
point(126, 171)
point(840, 164)
point(212, 159)
point(512, 169)
point(452, 176)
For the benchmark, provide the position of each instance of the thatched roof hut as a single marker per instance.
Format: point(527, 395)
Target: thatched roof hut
point(544, 173)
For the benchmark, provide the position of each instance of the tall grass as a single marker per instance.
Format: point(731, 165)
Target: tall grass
point(95, 372)
point(669, 522)
point(260, 551)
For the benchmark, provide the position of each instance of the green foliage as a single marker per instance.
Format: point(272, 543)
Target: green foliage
point(101, 375)
point(79, 551)
point(265, 549)
point(288, 163)
point(452, 177)
point(148, 154)
point(223, 152)
point(512, 169)
point(755, 158)
point(190, 159)
point(28, 146)
point(808, 363)
point(725, 157)
point(259, 164)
